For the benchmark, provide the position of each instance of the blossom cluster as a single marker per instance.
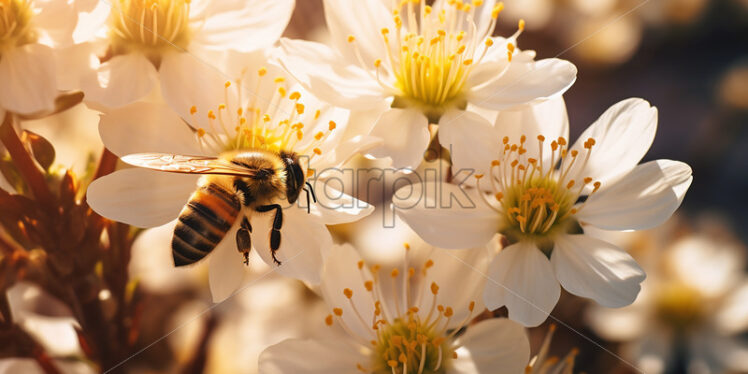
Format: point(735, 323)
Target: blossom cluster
point(238, 137)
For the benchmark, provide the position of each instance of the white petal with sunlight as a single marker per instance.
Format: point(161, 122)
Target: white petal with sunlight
point(446, 215)
point(521, 277)
point(596, 269)
point(140, 197)
point(493, 346)
point(642, 199)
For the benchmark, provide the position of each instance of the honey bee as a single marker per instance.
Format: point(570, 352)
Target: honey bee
point(250, 179)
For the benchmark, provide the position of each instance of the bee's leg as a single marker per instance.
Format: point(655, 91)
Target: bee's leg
point(243, 239)
point(308, 202)
point(275, 234)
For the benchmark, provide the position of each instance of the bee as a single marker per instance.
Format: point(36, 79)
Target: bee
point(231, 186)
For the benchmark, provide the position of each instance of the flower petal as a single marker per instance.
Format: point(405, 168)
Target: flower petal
point(446, 216)
point(334, 207)
point(311, 356)
point(622, 134)
point(29, 81)
point(204, 89)
point(55, 21)
point(521, 277)
point(340, 272)
point(525, 83)
point(226, 268)
point(471, 140)
point(405, 136)
point(496, 346)
point(343, 152)
point(304, 243)
point(467, 265)
point(720, 265)
point(146, 127)
point(243, 25)
point(643, 199)
point(320, 70)
point(121, 80)
point(596, 269)
point(362, 19)
point(619, 324)
point(547, 118)
point(140, 197)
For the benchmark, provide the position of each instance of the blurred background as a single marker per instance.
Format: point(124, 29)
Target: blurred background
point(689, 58)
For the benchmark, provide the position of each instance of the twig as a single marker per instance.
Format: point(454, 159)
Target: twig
point(26, 166)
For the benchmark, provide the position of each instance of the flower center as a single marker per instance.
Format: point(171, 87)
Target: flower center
point(15, 24)
point(679, 306)
point(535, 199)
point(149, 26)
point(410, 346)
point(432, 51)
point(408, 340)
point(276, 125)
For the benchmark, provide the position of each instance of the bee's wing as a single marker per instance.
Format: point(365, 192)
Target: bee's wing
point(186, 164)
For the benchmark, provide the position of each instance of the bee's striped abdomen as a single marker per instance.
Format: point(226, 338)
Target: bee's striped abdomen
point(203, 222)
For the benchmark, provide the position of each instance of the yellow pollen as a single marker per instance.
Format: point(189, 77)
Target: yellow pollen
point(395, 272)
point(332, 125)
point(348, 293)
point(521, 24)
point(262, 71)
point(294, 95)
point(317, 151)
point(328, 320)
point(337, 311)
point(351, 38)
point(151, 27)
point(434, 288)
point(360, 264)
point(369, 285)
point(227, 84)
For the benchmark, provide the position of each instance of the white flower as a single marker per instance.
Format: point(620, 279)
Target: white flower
point(406, 319)
point(272, 116)
point(425, 65)
point(35, 41)
point(542, 191)
point(51, 325)
point(139, 41)
point(691, 313)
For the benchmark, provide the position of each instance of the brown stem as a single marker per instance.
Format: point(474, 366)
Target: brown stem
point(45, 362)
point(26, 166)
point(6, 247)
point(5, 313)
point(107, 164)
point(197, 364)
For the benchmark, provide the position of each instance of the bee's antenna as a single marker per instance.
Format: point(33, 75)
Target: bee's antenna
point(314, 197)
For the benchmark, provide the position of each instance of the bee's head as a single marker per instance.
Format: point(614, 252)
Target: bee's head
point(294, 176)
